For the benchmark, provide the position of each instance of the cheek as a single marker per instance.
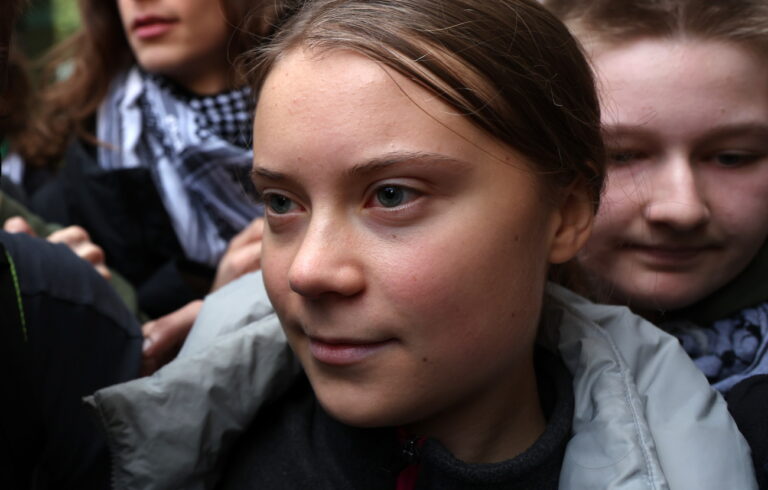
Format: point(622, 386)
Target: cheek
point(623, 196)
point(205, 29)
point(476, 310)
point(465, 278)
point(275, 262)
point(217, 32)
point(738, 197)
point(124, 9)
point(741, 215)
point(620, 206)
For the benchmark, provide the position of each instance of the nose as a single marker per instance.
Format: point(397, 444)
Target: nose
point(675, 196)
point(328, 262)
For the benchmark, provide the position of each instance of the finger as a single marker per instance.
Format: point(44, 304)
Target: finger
point(146, 330)
point(70, 235)
point(249, 259)
point(157, 355)
point(148, 366)
point(167, 333)
point(236, 263)
point(17, 224)
point(257, 227)
point(89, 252)
point(103, 271)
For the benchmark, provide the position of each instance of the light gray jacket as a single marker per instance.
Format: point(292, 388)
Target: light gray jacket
point(645, 417)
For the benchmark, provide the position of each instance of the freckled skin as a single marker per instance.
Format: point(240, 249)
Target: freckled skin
point(456, 296)
point(671, 103)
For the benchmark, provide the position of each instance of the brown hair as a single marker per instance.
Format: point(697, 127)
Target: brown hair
point(744, 22)
point(8, 14)
point(96, 54)
point(510, 66)
point(15, 101)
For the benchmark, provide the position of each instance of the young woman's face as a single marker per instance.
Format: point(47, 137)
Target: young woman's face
point(686, 206)
point(183, 39)
point(405, 250)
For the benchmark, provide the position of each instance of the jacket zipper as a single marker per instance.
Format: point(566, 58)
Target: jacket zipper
point(410, 450)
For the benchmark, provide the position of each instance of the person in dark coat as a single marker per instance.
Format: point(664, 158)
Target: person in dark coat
point(64, 333)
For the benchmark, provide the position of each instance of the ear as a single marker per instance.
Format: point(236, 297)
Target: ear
point(573, 224)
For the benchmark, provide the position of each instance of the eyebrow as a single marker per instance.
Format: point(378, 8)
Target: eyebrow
point(260, 171)
point(378, 164)
point(407, 158)
point(724, 131)
point(739, 129)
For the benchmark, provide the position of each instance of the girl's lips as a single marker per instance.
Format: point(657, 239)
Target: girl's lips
point(150, 26)
point(344, 352)
point(670, 256)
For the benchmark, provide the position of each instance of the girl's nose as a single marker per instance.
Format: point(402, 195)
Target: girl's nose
point(328, 262)
point(675, 196)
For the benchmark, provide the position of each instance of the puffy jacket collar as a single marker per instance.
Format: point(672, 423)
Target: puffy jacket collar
point(645, 417)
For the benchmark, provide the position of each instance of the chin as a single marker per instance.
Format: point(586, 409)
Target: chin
point(157, 60)
point(659, 292)
point(361, 413)
point(364, 417)
point(660, 300)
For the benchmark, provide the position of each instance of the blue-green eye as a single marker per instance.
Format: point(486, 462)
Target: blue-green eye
point(391, 196)
point(279, 204)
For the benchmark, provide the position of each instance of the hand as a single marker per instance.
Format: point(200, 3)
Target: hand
point(243, 255)
point(164, 337)
point(75, 237)
point(17, 224)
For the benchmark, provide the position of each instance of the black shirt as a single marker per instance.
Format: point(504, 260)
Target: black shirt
point(295, 444)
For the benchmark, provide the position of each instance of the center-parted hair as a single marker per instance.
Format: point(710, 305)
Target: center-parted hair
point(614, 22)
point(509, 66)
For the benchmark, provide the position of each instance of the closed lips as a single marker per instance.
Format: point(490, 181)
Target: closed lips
point(672, 249)
point(344, 351)
point(149, 20)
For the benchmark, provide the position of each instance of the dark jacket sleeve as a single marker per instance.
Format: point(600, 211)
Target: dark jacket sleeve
point(64, 333)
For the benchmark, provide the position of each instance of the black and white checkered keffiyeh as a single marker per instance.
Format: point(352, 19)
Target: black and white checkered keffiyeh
point(227, 114)
point(196, 149)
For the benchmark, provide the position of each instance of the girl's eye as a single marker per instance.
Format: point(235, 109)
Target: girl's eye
point(735, 159)
point(279, 204)
point(392, 196)
point(623, 157)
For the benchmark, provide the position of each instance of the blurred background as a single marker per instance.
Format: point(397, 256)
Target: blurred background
point(45, 23)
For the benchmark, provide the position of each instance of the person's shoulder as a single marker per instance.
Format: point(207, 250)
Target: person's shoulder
point(642, 406)
point(229, 372)
point(44, 265)
point(52, 270)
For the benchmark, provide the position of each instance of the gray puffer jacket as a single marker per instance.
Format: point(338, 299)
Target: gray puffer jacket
point(645, 417)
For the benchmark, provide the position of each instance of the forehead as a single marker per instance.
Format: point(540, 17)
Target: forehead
point(681, 84)
point(342, 103)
